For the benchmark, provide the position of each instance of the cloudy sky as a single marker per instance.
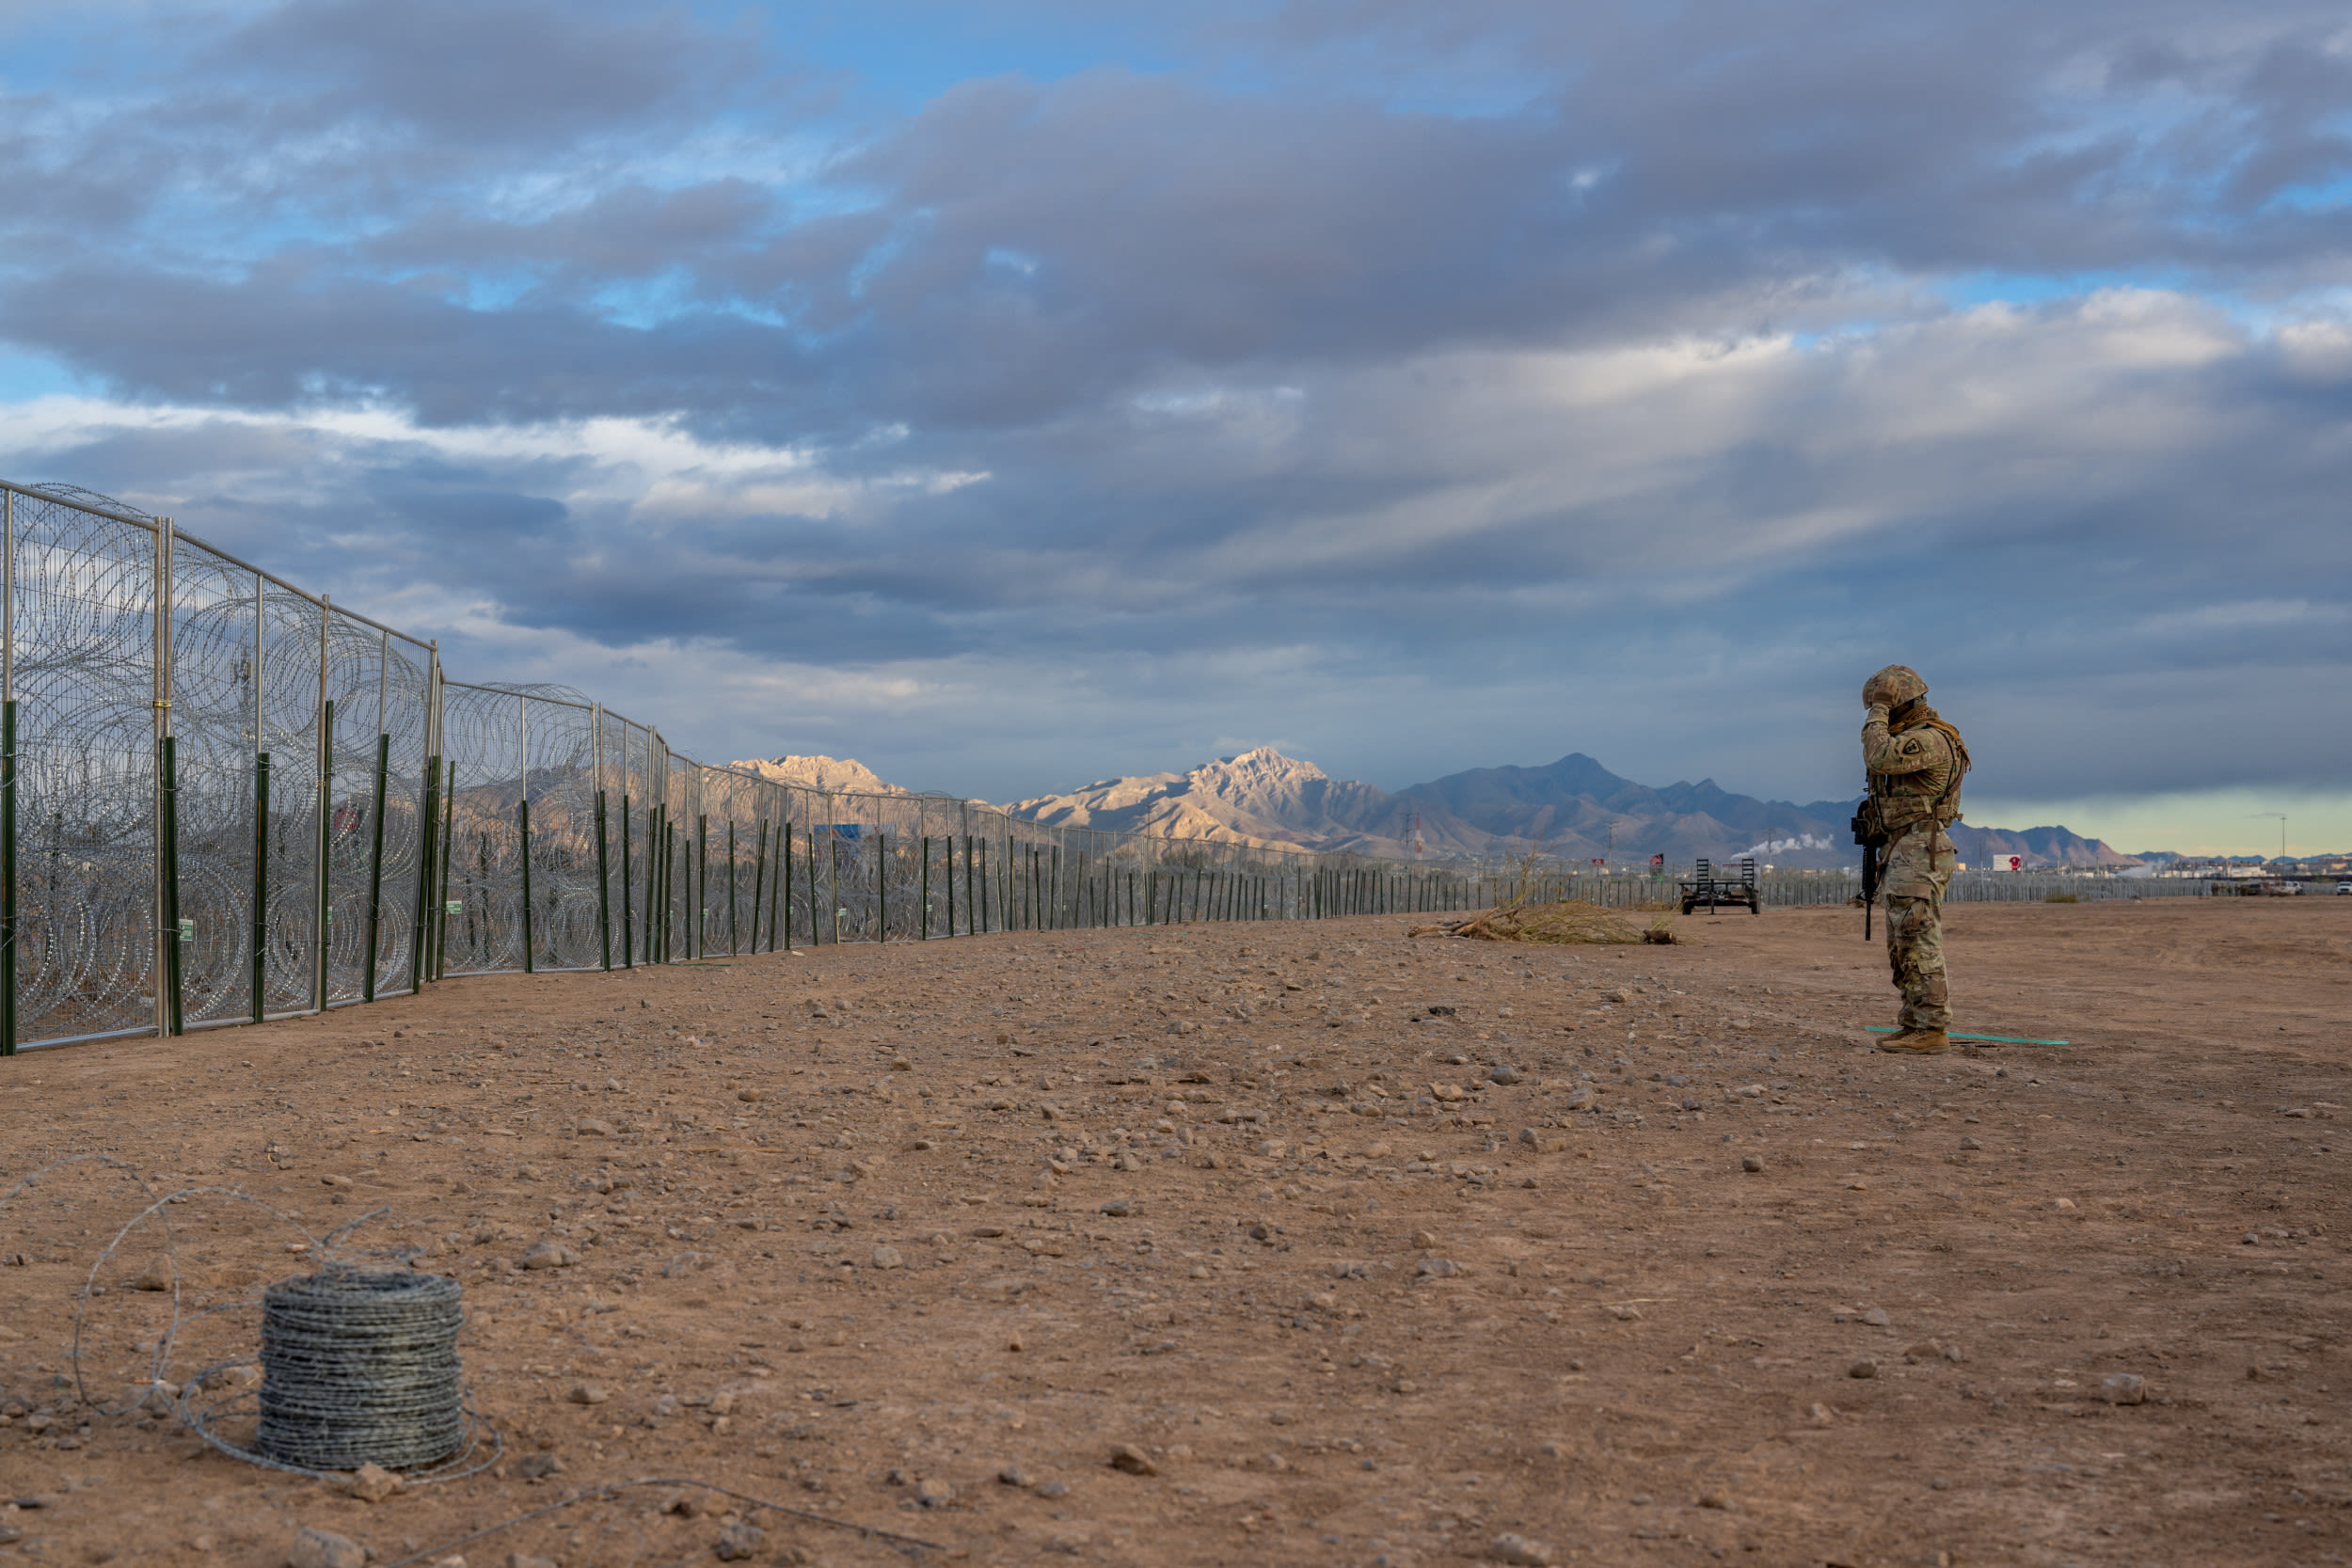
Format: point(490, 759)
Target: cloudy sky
point(1017, 394)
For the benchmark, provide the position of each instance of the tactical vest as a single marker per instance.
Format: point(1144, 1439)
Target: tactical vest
point(1903, 800)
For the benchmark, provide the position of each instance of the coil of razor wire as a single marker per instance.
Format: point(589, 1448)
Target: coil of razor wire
point(361, 1366)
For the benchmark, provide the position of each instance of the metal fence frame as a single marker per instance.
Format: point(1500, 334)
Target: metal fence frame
point(224, 798)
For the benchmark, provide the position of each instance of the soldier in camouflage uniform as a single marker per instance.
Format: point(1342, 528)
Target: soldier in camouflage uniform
point(1916, 761)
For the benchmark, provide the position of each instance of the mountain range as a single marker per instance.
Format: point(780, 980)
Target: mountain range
point(1574, 809)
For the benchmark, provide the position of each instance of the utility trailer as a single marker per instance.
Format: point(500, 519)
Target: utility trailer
point(1709, 887)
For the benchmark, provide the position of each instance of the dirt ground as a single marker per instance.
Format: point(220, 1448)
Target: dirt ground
point(920, 1236)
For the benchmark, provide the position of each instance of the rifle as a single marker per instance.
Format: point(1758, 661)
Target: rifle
point(1866, 833)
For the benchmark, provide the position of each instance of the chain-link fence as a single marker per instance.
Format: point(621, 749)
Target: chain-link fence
point(224, 799)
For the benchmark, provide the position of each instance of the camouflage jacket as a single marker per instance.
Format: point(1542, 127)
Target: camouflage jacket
point(1913, 774)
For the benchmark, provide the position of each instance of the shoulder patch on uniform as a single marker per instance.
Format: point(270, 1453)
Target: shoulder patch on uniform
point(1910, 748)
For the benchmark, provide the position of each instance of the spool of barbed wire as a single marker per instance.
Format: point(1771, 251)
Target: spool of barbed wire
point(361, 1366)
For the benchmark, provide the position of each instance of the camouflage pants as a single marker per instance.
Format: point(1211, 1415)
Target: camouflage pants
point(1919, 866)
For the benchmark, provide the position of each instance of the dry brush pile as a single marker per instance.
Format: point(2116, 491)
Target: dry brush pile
point(1563, 922)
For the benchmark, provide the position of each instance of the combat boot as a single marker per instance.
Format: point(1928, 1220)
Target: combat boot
point(1909, 1042)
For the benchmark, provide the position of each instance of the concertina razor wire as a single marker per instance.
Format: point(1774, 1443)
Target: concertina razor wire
point(224, 799)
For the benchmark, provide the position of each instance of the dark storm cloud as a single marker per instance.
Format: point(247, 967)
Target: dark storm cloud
point(1478, 345)
point(296, 331)
point(511, 74)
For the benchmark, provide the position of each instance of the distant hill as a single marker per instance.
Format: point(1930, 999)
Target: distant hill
point(1574, 804)
point(1579, 810)
point(2036, 845)
point(838, 775)
point(1260, 797)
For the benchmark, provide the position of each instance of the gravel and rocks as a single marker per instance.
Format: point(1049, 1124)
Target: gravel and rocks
point(1260, 1288)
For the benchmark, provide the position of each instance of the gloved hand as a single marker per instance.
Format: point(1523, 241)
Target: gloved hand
point(1876, 711)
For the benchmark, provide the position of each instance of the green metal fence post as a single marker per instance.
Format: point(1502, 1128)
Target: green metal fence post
point(522, 814)
point(653, 879)
point(925, 933)
point(604, 886)
point(759, 886)
point(261, 884)
point(7, 861)
point(733, 946)
point(628, 910)
point(7, 865)
point(781, 887)
point(322, 913)
point(7, 872)
point(170, 836)
point(375, 866)
point(428, 824)
point(449, 841)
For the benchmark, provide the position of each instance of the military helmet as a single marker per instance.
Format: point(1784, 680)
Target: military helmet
point(1894, 685)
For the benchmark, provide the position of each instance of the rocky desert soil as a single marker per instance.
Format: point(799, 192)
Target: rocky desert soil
point(1256, 1244)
